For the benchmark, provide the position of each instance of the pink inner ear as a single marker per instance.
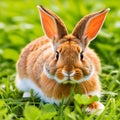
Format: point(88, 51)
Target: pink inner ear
point(94, 25)
point(49, 25)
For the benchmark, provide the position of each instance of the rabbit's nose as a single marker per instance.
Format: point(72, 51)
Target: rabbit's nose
point(70, 74)
point(68, 68)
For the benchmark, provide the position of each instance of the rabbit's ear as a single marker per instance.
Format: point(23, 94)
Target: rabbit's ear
point(87, 29)
point(53, 26)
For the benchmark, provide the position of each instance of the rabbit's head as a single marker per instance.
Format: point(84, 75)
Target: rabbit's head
point(69, 62)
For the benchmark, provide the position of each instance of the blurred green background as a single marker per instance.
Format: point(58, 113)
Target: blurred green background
point(20, 24)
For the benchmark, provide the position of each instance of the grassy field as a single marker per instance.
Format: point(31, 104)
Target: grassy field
point(20, 24)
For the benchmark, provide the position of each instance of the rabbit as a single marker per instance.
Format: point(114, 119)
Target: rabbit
point(58, 62)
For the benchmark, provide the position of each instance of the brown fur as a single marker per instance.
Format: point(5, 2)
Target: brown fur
point(60, 55)
point(32, 67)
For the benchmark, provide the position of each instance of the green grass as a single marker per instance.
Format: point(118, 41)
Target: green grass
point(20, 24)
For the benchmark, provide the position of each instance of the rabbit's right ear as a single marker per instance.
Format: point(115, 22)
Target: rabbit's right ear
point(53, 26)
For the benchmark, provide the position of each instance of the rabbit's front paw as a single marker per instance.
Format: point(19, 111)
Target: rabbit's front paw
point(26, 94)
point(95, 107)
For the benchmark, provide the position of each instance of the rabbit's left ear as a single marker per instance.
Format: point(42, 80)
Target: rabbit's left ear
point(87, 29)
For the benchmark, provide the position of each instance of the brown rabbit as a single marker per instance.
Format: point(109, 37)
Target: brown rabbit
point(54, 64)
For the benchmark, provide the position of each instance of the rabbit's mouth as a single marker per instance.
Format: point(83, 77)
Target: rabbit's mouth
point(63, 78)
point(76, 76)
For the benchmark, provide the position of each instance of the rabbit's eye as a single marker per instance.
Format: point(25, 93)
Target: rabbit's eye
point(57, 55)
point(81, 56)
